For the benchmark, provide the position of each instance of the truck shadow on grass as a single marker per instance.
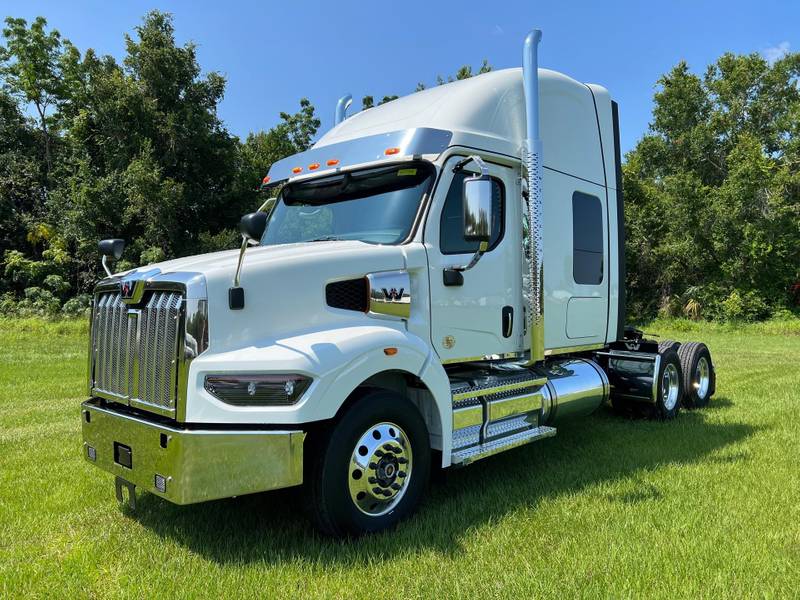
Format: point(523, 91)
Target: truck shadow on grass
point(271, 528)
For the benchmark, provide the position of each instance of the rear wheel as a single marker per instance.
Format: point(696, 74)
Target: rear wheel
point(699, 378)
point(669, 382)
point(371, 470)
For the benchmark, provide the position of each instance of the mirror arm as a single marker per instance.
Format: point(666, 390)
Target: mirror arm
point(478, 161)
point(239, 264)
point(105, 266)
point(475, 258)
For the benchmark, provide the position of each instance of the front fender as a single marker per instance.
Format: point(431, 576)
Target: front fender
point(338, 360)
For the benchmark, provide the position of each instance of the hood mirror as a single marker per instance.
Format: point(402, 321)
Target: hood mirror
point(252, 225)
point(110, 248)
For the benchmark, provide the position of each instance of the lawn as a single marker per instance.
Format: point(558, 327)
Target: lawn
point(706, 505)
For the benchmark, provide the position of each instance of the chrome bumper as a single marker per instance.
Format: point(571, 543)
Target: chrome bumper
point(190, 465)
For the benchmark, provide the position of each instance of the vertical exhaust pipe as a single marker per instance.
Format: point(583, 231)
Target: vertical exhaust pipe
point(341, 108)
point(533, 165)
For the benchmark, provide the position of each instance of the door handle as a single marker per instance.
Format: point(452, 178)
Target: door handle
point(508, 321)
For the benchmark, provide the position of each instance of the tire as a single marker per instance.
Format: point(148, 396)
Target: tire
point(670, 386)
point(699, 377)
point(370, 471)
point(665, 345)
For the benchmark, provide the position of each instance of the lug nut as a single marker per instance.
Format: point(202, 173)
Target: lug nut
point(395, 486)
point(377, 490)
point(372, 480)
point(379, 453)
point(402, 460)
point(401, 473)
point(373, 465)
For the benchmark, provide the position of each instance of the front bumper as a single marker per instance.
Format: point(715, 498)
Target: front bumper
point(190, 465)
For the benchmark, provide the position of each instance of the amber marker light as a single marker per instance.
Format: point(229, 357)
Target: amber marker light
point(390, 151)
point(333, 162)
point(297, 169)
point(313, 166)
point(390, 351)
point(265, 181)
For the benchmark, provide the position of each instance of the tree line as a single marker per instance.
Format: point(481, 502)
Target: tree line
point(92, 147)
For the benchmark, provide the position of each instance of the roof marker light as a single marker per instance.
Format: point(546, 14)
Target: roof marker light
point(297, 169)
point(265, 181)
point(313, 166)
point(333, 162)
point(390, 151)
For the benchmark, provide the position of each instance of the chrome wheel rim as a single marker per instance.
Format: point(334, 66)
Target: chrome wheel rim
point(380, 469)
point(702, 377)
point(670, 386)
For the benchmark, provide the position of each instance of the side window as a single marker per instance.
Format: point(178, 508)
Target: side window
point(451, 228)
point(587, 239)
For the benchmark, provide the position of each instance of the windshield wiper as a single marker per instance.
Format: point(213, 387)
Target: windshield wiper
point(326, 238)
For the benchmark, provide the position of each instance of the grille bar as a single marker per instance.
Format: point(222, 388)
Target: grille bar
point(135, 351)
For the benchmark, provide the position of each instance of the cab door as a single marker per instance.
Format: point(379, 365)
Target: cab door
point(481, 315)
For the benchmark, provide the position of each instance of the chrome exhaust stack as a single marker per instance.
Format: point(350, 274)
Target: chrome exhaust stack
point(533, 166)
point(341, 108)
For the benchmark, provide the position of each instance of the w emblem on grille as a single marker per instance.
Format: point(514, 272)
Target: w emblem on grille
point(393, 294)
point(126, 289)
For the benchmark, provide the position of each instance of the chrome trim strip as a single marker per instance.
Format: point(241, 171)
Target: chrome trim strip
point(485, 357)
point(570, 349)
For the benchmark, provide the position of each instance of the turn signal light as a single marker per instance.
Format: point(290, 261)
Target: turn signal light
point(390, 151)
point(390, 351)
point(333, 162)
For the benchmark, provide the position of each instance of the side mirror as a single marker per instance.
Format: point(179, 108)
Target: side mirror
point(253, 225)
point(477, 200)
point(112, 248)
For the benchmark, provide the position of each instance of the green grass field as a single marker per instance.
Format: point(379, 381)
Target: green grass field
point(706, 505)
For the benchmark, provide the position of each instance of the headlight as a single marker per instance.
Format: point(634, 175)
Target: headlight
point(257, 389)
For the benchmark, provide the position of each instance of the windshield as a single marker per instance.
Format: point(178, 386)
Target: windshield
point(375, 205)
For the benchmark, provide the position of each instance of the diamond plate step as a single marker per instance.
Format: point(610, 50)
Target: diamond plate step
point(470, 455)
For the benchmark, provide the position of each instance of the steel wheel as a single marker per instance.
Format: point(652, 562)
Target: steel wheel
point(380, 469)
point(670, 386)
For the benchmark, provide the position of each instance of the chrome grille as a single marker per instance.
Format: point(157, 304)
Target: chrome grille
point(136, 349)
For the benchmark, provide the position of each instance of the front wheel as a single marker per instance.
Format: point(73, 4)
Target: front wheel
point(371, 470)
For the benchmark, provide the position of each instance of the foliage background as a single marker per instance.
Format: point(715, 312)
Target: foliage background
point(91, 148)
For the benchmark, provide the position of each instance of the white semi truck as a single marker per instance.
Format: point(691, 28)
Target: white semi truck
point(438, 279)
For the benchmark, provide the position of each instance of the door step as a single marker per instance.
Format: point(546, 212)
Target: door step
point(469, 455)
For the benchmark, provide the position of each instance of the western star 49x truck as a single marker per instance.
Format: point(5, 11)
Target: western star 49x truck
point(438, 279)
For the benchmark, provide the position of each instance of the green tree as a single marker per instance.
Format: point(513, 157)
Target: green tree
point(35, 65)
point(713, 192)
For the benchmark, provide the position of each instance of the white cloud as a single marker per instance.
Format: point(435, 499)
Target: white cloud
point(774, 53)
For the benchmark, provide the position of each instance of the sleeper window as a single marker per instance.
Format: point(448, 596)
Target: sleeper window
point(451, 228)
point(587, 239)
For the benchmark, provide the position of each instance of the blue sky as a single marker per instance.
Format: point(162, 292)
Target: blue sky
point(274, 53)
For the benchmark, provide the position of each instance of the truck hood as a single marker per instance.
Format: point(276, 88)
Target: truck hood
point(284, 287)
